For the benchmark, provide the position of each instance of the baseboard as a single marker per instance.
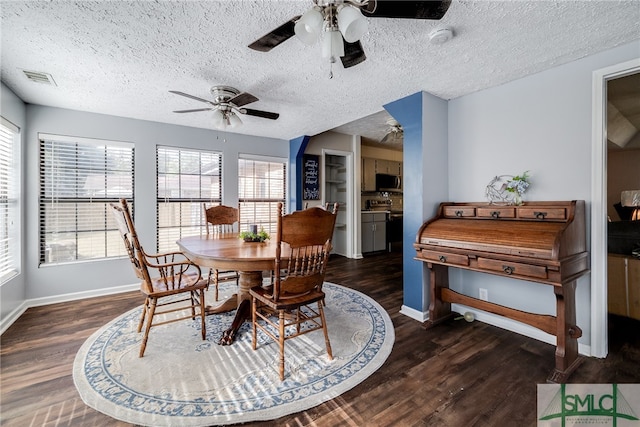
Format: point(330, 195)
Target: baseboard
point(499, 321)
point(414, 314)
point(75, 296)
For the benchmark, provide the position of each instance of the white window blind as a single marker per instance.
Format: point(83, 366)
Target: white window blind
point(79, 178)
point(9, 201)
point(261, 185)
point(186, 179)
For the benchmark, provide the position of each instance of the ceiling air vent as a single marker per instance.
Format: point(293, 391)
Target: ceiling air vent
point(38, 77)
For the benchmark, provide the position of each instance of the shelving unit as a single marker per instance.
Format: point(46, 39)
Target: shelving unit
point(335, 190)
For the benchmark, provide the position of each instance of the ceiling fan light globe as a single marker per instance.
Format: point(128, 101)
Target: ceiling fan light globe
point(352, 24)
point(234, 120)
point(218, 119)
point(309, 27)
point(332, 45)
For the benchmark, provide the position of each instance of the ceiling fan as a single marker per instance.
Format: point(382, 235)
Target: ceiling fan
point(394, 134)
point(228, 102)
point(342, 22)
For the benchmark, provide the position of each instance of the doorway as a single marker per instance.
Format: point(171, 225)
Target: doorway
point(599, 312)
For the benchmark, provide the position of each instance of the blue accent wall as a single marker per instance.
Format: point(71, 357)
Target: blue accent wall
point(296, 150)
point(408, 112)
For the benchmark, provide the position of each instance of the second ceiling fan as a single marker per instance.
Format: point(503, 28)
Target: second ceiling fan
point(228, 102)
point(342, 22)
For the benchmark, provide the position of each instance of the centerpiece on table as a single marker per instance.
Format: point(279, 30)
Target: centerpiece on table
point(253, 235)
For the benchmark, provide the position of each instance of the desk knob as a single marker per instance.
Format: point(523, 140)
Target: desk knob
point(508, 269)
point(442, 258)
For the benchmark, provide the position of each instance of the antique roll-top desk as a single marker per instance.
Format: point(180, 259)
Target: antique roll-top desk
point(541, 242)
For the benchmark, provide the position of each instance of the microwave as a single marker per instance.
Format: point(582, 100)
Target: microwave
point(390, 183)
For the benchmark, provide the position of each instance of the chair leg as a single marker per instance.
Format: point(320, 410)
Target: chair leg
point(215, 282)
point(281, 342)
point(145, 307)
point(254, 317)
point(324, 329)
point(152, 311)
point(202, 314)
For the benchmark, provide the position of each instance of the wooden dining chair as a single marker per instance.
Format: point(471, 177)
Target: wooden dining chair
point(174, 274)
point(303, 244)
point(221, 219)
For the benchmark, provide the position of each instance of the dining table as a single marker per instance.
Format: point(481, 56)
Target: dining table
point(226, 251)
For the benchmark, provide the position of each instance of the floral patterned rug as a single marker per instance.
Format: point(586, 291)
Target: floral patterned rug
point(185, 381)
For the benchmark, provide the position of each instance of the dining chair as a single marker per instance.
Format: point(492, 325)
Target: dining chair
point(303, 244)
point(221, 219)
point(174, 275)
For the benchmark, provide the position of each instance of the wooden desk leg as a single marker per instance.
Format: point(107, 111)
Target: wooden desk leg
point(567, 358)
point(439, 311)
point(247, 280)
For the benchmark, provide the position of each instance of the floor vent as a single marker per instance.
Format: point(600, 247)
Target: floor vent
point(38, 77)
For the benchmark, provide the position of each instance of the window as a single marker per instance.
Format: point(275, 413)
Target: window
point(261, 185)
point(9, 201)
point(186, 179)
point(79, 178)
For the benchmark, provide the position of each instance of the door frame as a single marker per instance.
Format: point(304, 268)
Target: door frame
point(599, 335)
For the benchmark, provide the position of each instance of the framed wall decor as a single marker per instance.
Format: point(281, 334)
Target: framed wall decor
point(311, 177)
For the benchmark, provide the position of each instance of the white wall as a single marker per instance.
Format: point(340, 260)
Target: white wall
point(93, 276)
point(543, 124)
point(12, 293)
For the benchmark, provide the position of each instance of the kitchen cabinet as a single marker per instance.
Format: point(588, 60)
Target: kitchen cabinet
point(371, 166)
point(374, 231)
point(368, 174)
point(623, 285)
point(390, 167)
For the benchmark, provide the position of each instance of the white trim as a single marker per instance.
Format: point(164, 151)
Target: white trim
point(8, 124)
point(75, 296)
point(420, 316)
point(263, 158)
point(82, 140)
point(599, 344)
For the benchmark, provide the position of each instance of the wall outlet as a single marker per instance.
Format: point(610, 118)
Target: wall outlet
point(484, 294)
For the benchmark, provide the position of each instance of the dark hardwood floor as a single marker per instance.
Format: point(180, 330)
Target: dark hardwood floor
point(457, 374)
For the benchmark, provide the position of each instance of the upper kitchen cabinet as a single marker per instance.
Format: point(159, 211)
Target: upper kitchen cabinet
point(368, 174)
point(389, 167)
point(371, 167)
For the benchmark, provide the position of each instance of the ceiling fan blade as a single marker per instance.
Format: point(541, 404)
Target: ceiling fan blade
point(259, 113)
point(353, 54)
point(275, 37)
point(194, 110)
point(190, 96)
point(243, 98)
point(434, 9)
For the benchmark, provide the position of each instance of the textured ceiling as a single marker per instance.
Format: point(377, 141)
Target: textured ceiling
point(122, 58)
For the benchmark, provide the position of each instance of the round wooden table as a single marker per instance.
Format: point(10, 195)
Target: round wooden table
point(225, 251)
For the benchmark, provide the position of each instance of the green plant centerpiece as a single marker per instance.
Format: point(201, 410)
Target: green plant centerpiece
point(518, 185)
point(250, 236)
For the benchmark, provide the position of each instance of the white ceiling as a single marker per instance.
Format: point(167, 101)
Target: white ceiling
point(121, 58)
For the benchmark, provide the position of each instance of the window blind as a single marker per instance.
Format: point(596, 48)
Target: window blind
point(186, 179)
point(261, 186)
point(9, 201)
point(79, 178)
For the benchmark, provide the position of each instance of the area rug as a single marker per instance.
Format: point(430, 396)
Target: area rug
point(185, 381)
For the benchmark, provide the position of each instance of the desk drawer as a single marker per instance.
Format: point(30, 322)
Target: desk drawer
point(513, 268)
point(542, 213)
point(444, 257)
point(497, 212)
point(459, 211)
